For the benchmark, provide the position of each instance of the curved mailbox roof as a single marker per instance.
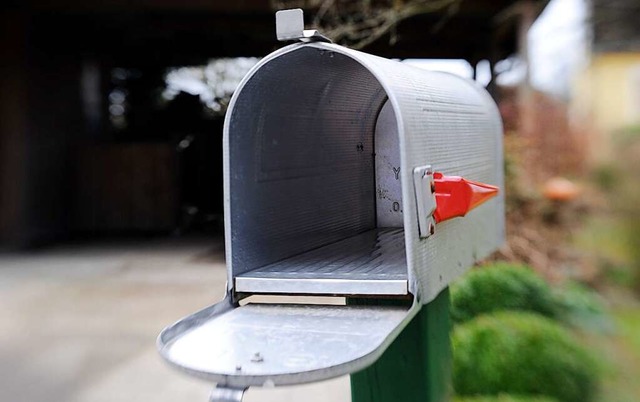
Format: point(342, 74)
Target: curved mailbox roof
point(444, 121)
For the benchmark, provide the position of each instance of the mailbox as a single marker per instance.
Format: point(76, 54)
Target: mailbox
point(333, 159)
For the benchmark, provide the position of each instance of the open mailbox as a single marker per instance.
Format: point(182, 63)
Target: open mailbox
point(329, 163)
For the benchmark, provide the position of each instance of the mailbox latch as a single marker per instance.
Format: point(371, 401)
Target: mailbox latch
point(440, 198)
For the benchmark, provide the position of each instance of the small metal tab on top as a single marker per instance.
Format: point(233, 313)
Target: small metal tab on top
point(290, 26)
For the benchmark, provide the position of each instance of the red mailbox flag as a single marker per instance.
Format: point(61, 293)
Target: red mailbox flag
point(455, 195)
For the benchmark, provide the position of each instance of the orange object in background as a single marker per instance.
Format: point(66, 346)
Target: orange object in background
point(560, 189)
point(455, 196)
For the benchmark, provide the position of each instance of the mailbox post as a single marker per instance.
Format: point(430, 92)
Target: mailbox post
point(346, 175)
point(417, 365)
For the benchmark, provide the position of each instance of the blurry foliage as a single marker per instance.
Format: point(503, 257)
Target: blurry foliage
point(517, 194)
point(500, 286)
point(613, 237)
point(213, 83)
point(605, 177)
point(620, 382)
point(604, 238)
point(359, 23)
point(521, 353)
point(628, 323)
point(538, 230)
point(539, 145)
point(505, 398)
point(625, 198)
point(504, 286)
point(581, 307)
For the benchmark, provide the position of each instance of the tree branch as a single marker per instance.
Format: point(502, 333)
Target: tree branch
point(358, 24)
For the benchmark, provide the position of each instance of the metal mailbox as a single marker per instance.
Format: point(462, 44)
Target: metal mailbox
point(329, 163)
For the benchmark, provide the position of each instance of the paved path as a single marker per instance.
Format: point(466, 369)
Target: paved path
point(78, 323)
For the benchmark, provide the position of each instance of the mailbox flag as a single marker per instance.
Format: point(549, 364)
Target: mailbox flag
point(455, 196)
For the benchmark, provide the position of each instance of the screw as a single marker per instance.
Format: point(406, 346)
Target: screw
point(257, 358)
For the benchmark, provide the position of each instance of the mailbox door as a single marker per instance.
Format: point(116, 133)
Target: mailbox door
point(280, 344)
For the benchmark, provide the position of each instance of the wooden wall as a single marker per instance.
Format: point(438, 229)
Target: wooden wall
point(126, 187)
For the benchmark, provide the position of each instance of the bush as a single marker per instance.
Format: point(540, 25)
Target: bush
point(500, 286)
point(505, 398)
point(581, 307)
point(521, 353)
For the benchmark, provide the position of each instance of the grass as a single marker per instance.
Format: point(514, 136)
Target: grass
point(604, 238)
point(628, 321)
point(622, 351)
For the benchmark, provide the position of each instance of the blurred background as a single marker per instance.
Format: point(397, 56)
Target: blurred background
point(111, 206)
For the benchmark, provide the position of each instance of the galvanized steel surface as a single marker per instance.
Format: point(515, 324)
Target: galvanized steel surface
point(280, 344)
point(372, 263)
point(299, 165)
point(387, 166)
point(220, 394)
point(302, 211)
point(299, 157)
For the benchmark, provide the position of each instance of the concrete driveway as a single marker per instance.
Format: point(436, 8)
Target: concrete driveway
point(78, 323)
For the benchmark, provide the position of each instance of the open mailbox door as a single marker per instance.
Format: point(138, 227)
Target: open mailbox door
point(339, 167)
point(280, 344)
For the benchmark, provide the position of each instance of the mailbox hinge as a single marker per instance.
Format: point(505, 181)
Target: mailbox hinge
point(290, 26)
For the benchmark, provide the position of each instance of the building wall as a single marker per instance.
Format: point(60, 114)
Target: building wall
point(13, 125)
point(607, 99)
point(39, 122)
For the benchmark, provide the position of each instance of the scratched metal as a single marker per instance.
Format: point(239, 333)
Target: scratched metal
point(300, 157)
point(281, 344)
point(299, 162)
point(387, 165)
point(371, 263)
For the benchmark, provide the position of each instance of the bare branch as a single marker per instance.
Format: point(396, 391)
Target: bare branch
point(360, 23)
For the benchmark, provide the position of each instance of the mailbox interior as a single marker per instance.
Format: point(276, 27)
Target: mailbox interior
point(312, 165)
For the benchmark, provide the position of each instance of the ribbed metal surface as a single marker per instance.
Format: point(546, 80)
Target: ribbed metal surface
point(300, 157)
point(367, 264)
point(299, 169)
point(453, 125)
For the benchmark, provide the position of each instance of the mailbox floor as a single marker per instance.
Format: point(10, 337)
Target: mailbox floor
point(78, 323)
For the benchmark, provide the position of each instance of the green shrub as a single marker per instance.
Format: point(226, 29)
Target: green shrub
point(581, 307)
point(521, 353)
point(500, 286)
point(505, 398)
